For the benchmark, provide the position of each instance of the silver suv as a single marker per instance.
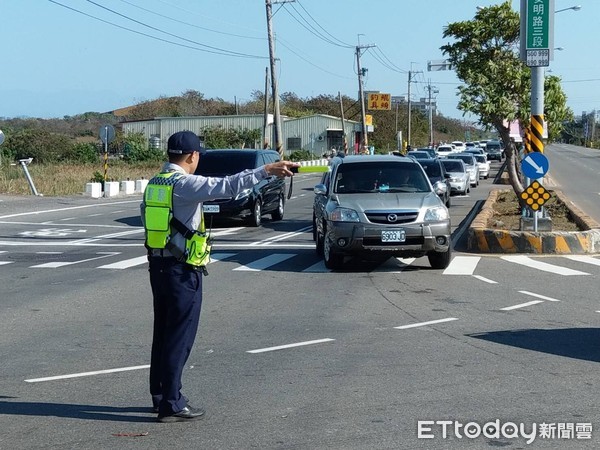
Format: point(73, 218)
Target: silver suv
point(374, 206)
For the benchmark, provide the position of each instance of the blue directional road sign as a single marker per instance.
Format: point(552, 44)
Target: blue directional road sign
point(535, 165)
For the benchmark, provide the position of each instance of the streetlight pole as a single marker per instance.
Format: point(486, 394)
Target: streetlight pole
point(574, 8)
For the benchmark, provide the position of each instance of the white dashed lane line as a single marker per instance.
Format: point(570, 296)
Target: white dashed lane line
point(522, 305)
point(424, 324)
point(298, 344)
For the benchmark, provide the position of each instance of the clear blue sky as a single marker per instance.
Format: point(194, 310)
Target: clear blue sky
point(56, 62)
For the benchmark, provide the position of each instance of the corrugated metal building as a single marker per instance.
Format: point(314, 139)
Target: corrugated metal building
point(318, 133)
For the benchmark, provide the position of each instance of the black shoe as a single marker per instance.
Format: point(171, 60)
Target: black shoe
point(186, 414)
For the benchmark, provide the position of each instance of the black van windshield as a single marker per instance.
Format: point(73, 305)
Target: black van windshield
point(225, 163)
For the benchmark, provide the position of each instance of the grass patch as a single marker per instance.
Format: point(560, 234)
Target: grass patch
point(56, 180)
point(507, 213)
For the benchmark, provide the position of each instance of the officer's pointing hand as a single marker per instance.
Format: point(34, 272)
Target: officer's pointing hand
point(281, 169)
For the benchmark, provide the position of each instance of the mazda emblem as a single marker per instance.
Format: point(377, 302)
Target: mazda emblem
point(392, 217)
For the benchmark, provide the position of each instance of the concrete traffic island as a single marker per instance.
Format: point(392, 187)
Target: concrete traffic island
point(482, 239)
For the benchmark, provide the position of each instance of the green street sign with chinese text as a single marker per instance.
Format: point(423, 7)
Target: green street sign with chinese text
point(537, 32)
point(538, 24)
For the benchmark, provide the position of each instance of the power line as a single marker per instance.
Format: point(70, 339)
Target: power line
point(244, 55)
point(191, 24)
point(139, 32)
point(395, 67)
point(319, 25)
point(310, 62)
point(311, 29)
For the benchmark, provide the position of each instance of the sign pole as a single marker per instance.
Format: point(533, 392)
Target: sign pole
point(537, 45)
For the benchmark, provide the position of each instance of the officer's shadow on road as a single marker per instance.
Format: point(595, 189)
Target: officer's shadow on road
point(578, 343)
point(86, 412)
point(133, 221)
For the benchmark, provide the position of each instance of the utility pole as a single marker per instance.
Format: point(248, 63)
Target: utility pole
point(431, 89)
point(266, 113)
point(410, 79)
point(593, 128)
point(343, 123)
point(361, 72)
point(276, 112)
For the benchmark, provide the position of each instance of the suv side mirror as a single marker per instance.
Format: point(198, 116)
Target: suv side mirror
point(320, 189)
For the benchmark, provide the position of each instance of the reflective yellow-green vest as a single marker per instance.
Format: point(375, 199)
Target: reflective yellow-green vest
point(160, 224)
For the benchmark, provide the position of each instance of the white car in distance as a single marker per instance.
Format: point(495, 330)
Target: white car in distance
point(459, 146)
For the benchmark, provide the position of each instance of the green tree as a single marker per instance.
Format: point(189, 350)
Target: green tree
point(41, 145)
point(497, 83)
point(219, 137)
point(136, 149)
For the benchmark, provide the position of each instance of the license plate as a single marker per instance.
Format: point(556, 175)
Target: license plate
point(393, 236)
point(210, 208)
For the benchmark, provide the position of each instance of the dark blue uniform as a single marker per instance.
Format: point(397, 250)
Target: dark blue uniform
point(177, 287)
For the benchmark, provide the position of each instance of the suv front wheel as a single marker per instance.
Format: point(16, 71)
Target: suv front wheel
point(333, 260)
point(439, 260)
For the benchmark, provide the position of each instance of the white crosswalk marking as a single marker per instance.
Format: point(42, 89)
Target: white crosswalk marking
point(127, 263)
point(401, 264)
point(539, 265)
point(584, 259)
point(462, 265)
point(55, 264)
point(263, 263)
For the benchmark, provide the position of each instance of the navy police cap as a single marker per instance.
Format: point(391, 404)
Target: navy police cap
point(184, 142)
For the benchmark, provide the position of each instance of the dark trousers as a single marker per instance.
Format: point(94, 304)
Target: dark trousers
point(177, 294)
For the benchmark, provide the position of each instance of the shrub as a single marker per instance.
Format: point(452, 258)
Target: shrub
point(136, 149)
point(301, 155)
point(43, 146)
point(84, 153)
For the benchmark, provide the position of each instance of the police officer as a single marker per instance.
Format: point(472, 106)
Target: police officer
point(178, 250)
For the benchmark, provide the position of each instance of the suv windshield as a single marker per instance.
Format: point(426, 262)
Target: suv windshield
point(380, 177)
point(467, 159)
point(214, 163)
point(453, 166)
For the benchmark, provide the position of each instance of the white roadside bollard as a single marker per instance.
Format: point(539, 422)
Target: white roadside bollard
point(93, 190)
point(140, 186)
point(127, 187)
point(111, 188)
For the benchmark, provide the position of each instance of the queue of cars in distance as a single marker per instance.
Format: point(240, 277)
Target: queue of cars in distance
point(266, 197)
point(438, 178)
point(458, 176)
point(494, 150)
point(377, 206)
point(484, 166)
point(471, 164)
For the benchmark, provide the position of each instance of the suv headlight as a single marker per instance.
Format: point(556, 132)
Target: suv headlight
point(436, 214)
point(344, 215)
point(245, 193)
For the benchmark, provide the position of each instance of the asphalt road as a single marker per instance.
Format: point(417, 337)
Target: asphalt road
point(290, 355)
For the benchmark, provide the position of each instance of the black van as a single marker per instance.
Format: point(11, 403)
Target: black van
point(266, 197)
point(493, 149)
